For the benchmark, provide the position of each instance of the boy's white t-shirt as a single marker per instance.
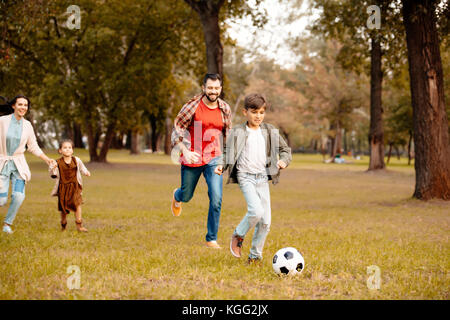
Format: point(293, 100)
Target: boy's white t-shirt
point(253, 158)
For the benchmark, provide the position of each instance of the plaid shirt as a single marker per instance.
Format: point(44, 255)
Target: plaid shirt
point(184, 119)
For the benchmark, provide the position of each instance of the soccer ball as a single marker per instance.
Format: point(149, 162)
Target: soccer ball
point(288, 261)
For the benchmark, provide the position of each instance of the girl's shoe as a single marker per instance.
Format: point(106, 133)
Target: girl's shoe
point(7, 229)
point(80, 227)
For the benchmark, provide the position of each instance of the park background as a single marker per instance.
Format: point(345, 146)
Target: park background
point(339, 88)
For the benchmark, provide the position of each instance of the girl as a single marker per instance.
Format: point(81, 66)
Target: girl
point(68, 184)
point(16, 132)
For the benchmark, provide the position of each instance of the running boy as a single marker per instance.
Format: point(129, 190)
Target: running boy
point(255, 152)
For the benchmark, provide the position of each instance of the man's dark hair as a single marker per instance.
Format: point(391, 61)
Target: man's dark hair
point(254, 101)
point(212, 76)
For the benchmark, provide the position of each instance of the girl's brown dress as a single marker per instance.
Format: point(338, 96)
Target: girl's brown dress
point(69, 190)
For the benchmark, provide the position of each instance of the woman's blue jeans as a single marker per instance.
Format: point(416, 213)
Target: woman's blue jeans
point(189, 180)
point(17, 194)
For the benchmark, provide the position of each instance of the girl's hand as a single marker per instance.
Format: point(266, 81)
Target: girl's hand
point(50, 162)
point(88, 173)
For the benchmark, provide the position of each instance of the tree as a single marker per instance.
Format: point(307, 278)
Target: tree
point(94, 76)
point(431, 135)
point(211, 19)
point(348, 22)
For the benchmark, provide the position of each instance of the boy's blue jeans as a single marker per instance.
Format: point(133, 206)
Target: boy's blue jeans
point(189, 180)
point(17, 194)
point(255, 188)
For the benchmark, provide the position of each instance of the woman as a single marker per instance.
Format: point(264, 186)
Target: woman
point(15, 133)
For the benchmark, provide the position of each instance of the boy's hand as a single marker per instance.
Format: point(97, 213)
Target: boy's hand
point(281, 164)
point(218, 170)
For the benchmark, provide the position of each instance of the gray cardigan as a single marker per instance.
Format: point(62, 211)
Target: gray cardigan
point(276, 148)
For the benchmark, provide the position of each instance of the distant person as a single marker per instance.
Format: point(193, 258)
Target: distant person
point(16, 132)
point(251, 155)
point(68, 186)
point(199, 131)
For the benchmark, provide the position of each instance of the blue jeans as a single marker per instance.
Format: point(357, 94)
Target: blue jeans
point(189, 180)
point(17, 194)
point(255, 188)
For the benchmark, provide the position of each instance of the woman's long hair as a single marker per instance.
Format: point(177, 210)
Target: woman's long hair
point(7, 108)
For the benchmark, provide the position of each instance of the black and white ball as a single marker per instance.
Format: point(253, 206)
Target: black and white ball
point(288, 261)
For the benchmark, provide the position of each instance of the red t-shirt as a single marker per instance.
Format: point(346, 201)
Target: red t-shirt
point(206, 134)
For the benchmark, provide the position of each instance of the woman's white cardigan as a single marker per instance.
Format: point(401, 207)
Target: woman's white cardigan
point(28, 138)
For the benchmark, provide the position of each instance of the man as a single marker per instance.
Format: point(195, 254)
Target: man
point(199, 134)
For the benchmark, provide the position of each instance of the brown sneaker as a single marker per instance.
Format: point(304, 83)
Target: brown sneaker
point(176, 206)
point(212, 244)
point(236, 245)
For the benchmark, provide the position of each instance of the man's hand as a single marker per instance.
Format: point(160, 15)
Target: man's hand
point(281, 164)
point(191, 156)
point(218, 170)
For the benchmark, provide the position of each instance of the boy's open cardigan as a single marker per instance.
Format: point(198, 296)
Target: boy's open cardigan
point(276, 149)
point(28, 138)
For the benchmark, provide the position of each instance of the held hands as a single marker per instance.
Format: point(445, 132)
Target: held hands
point(50, 162)
point(218, 170)
point(281, 164)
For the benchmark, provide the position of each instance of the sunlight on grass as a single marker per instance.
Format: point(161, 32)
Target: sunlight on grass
point(340, 217)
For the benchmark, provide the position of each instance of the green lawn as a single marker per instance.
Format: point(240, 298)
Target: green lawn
point(341, 218)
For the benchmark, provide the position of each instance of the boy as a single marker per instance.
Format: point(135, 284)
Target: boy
point(251, 153)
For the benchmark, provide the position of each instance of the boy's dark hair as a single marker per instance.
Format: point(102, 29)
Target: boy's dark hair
point(254, 101)
point(66, 141)
point(212, 76)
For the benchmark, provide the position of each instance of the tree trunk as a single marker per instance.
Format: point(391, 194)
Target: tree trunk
point(134, 142)
point(154, 135)
point(376, 134)
point(209, 16)
point(110, 131)
point(77, 136)
point(389, 152)
point(409, 147)
point(92, 143)
point(168, 135)
point(430, 124)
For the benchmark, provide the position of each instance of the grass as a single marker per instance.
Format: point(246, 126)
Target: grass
point(341, 218)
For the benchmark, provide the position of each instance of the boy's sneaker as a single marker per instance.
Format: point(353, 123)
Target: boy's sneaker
point(7, 229)
point(236, 245)
point(212, 244)
point(176, 206)
point(254, 261)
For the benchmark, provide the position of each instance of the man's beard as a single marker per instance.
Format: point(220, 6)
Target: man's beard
point(210, 100)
